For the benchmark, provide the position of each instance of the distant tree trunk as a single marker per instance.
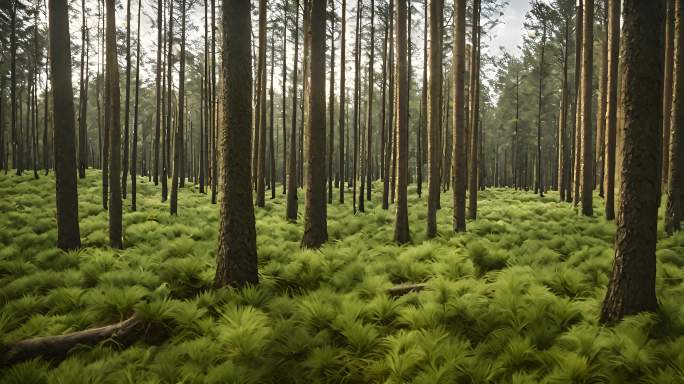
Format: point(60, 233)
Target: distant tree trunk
point(401, 226)
point(178, 139)
point(283, 77)
point(115, 210)
point(611, 104)
point(331, 106)
point(514, 146)
point(237, 253)
point(632, 283)
point(577, 127)
point(68, 235)
point(124, 168)
point(292, 163)
point(563, 150)
point(343, 104)
point(667, 91)
point(261, 113)
point(389, 147)
point(475, 111)
point(169, 113)
point(434, 113)
point(587, 72)
point(158, 117)
point(601, 111)
point(357, 81)
point(213, 109)
point(422, 122)
point(134, 150)
point(315, 225)
point(16, 142)
point(675, 176)
point(383, 109)
point(459, 148)
point(204, 102)
point(83, 100)
point(271, 144)
point(369, 122)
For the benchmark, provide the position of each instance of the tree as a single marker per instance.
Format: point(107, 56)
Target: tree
point(585, 100)
point(401, 225)
point(667, 91)
point(389, 124)
point(434, 113)
point(331, 104)
point(475, 110)
point(675, 176)
point(83, 100)
point(68, 234)
point(343, 104)
point(158, 116)
point(577, 110)
point(565, 11)
point(134, 150)
point(261, 109)
point(356, 102)
point(237, 253)
point(369, 122)
point(459, 148)
point(315, 225)
point(169, 93)
point(291, 211)
point(632, 282)
point(128, 100)
point(178, 142)
point(112, 85)
point(611, 104)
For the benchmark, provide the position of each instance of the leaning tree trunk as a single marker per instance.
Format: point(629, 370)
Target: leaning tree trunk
point(315, 225)
point(675, 176)
point(237, 254)
point(459, 148)
point(115, 210)
point(68, 235)
point(632, 283)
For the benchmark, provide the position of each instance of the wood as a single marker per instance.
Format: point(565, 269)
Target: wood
point(402, 289)
point(56, 348)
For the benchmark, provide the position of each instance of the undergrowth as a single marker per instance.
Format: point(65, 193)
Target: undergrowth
point(513, 300)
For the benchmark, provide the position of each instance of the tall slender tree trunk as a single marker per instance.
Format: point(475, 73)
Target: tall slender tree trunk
point(115, 209)
point(261, 105)
point(331, 106)
point(292, 161)
point(315, 225)
point(271, 128)
point(675, 176)
point(459, 148)
point(158, 116)
point(632, 283)
point(587, 72)
point(237, 253)
point(283, 76)
point(169, 94)
point(611, 104)
point(390, 129)
point(68, 234)
point(475, 112)
point(401, 225)
point(434, 113)
point(357, 85)
point(180, 121)
point(343, 103)
point(601, 111)
point(667, 91)
point(563, 152)
point(422, 122)
point(83, 101)
point(134, 150)
point(214, 110)
point(577, 127)
point(124, 168)
point(369, 122)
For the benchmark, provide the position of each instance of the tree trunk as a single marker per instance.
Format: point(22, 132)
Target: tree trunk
point(237, 254)
point(401, 226)
point(667, 92)
point(331, 106)
point(169, 113)
point(271, 144)
point(315, 226)
point(158, 117)
point(369, 122)
point(292, 163)
point(124, 167)
point(459, 148)
point(180, 121)
point(601, 112)
point(611, 104)
point(68, 235)
point(83, 100)
point(16, 142)
point(343, 104)
point(115, 210)
point(357, 82)
point(632, 283)
point(261, 105)
point(563, 150)
point(577, 125)
point(134, 150)
point(434, 113)
point(284, 94)
point(587, 72)
point(675, 176)
point(390, 128)
point(475, 111)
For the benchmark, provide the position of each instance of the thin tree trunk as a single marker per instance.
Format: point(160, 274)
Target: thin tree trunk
point(459, 152)
point(283, 95)
point(331, 106)
point(434, 114)
point(601, 112)
point(158, 116)
point(611, 104)
point(389, 147)
point(357, 81)
point(343, 104)
point(180, 121)
point(667, 91)
point(577, 127)
point(115, 209)
point(369, 122)
point(401, 226)
point(261, 112)
point(675, 176)
point(475, 111)
point(292, 163)
point(134, 150)
point(587, 72)
point(271, 128)
point(124, 168)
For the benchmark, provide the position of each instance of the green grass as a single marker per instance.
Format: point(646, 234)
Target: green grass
point(513, 300)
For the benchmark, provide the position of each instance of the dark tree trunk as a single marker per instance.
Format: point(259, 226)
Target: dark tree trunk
point(169, 113)
point(401, 225)
point(271, 143)
point(667, 91)
point(356, 102)
point(434, 114)
point(115, 210)
point(611, 103)
point(83, 100)
point(343, 103)
point(587, 73)
point(601, 111)
point(331, 106)
point(315, 225)
point(158, 116)
point(68, 235)
point(134, 150)
point(124, 167)
point(675, 176)
point(292, 163)
point(261, 112)
point(180, 121)
point(389, 126)
point(577, 118)
point(563, 150)
point(16, 142)
point(283, 95)
point(237, 254)
point(475, 111)
point(632, 283)
point(459, 148)
point(369, 122)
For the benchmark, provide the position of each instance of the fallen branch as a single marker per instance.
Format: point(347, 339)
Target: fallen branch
point(402, 289)
point(123, 333)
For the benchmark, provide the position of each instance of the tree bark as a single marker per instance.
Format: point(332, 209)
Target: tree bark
point(68, 235)
point(611, 104)
point(586, 100)
point(134, 150)
point(315, 225)
point(261, 113)
point(158, 117)
point(331, 106)
point(390, 128)
point(126, 133)
point(115, 210)
point(369, 122)
point(401, 226)
point(459, 148)
point(577, 127)
point(475, 111)
point(667, 91)
point(434, 113)
point(292, 163)
point(601, 111)
point(83, 100)
point(632, 283)
point(237, 254)
point(343, 103)
point(180, 121)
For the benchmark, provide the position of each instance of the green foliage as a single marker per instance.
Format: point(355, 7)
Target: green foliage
point(510, 301)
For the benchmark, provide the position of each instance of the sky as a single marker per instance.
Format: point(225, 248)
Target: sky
point(509, 34)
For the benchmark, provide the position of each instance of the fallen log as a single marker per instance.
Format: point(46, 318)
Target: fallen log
point(402, 289)
point(56, 348)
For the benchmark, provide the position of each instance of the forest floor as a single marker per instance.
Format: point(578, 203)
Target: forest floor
point(515, 299)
